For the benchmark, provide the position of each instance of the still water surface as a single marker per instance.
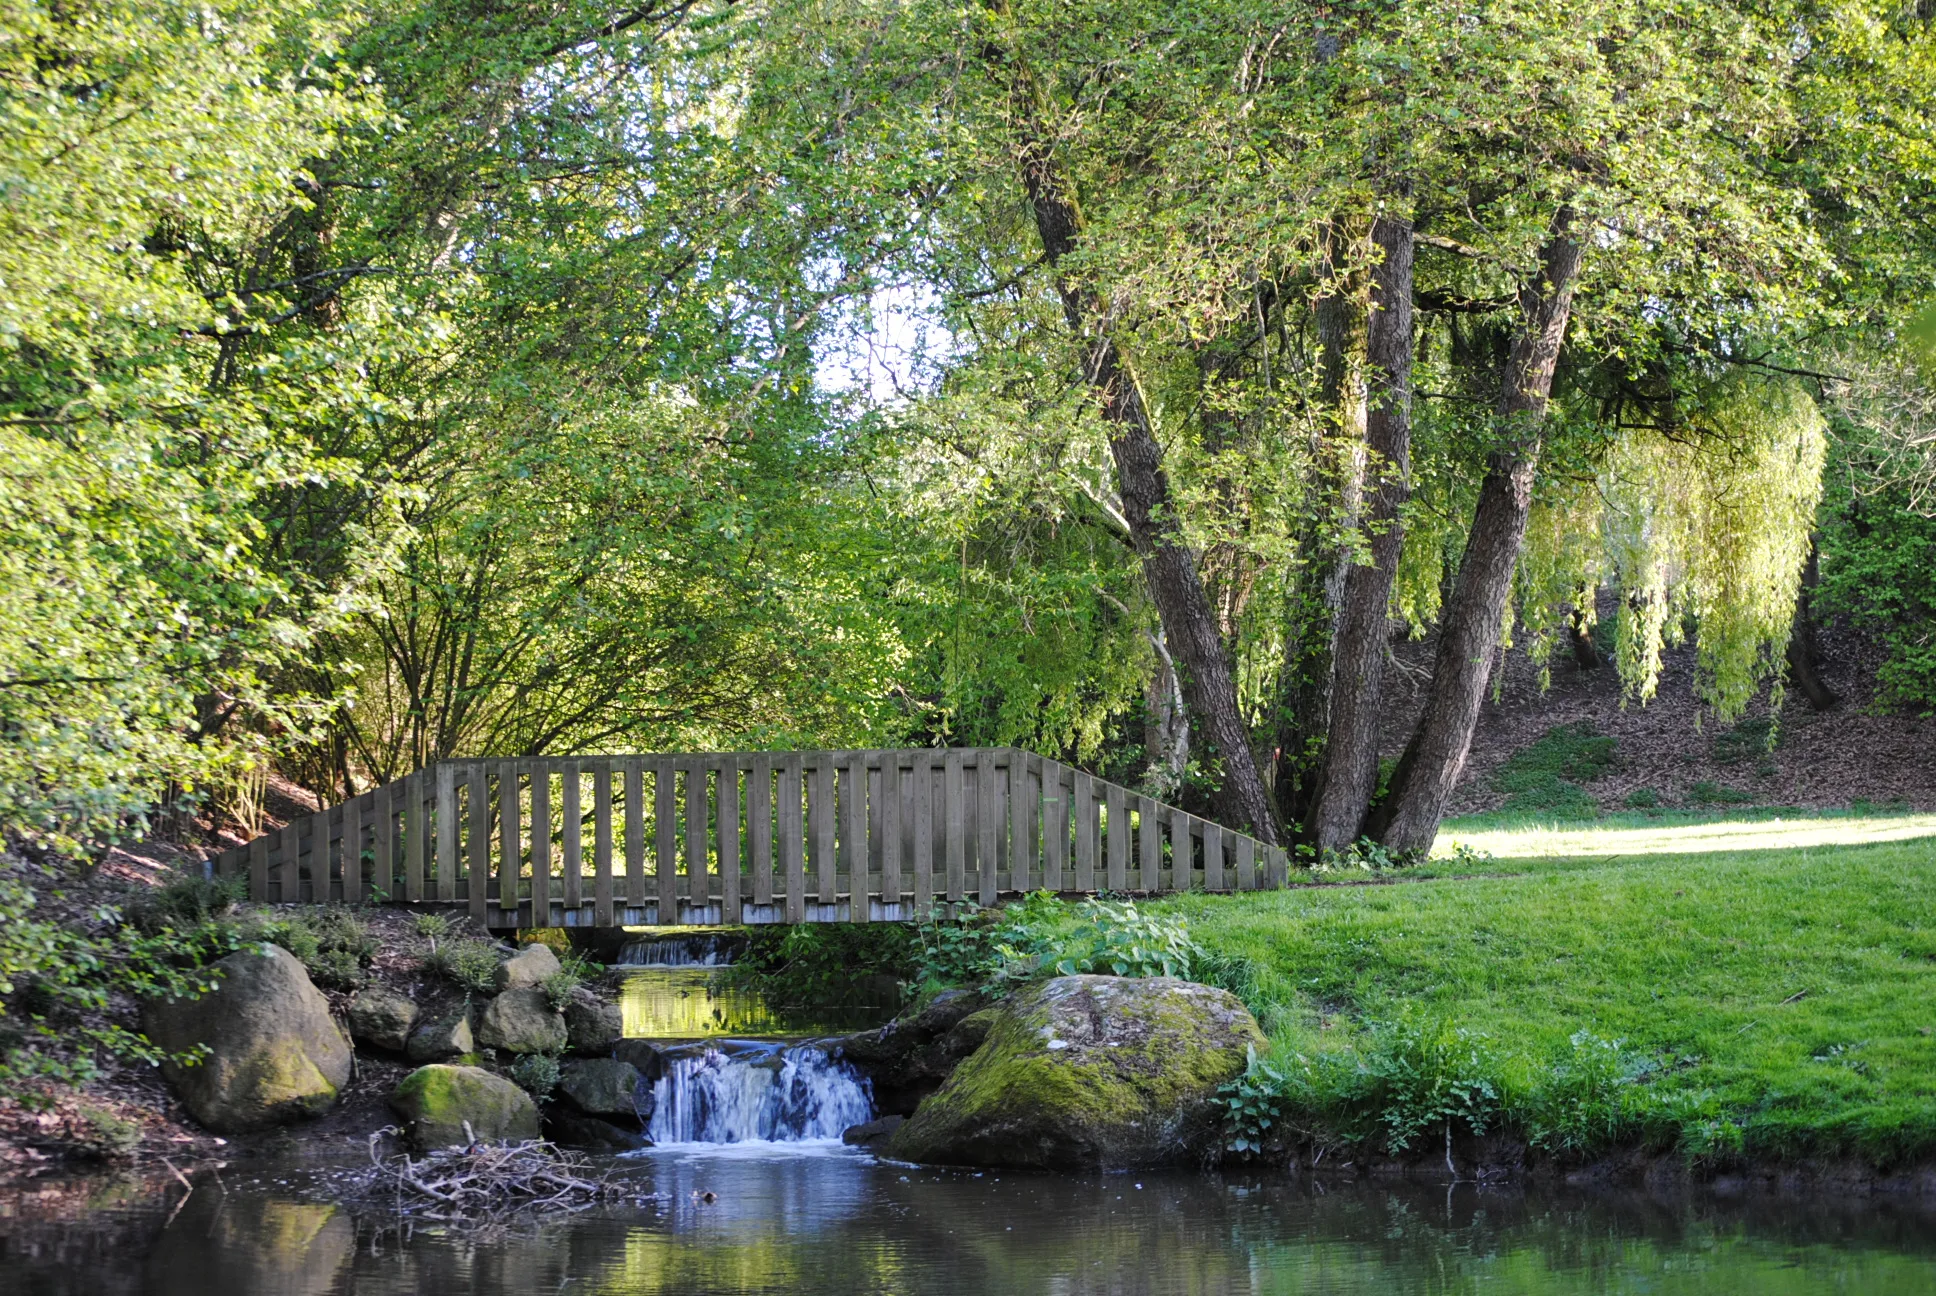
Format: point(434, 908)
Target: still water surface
point(819, 1221)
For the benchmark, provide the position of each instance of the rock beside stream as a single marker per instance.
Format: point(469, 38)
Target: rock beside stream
point(523, 1021)
point(592, 1024)
point(1088, 1072)
point(436, 1102)
point(601, 1087)
point(908, 1058)
point(442, 1038)
point(274, 1052)
point(382, 1019)
point(528, 967)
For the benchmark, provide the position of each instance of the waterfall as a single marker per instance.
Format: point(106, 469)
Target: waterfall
point(777, 1093)
point(680, 951)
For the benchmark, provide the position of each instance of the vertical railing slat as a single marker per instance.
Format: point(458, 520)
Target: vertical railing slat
point(665, 816)
point(259, 869)
point(510, 842)
point(1246, 851)
point(540, 844)
point(890, 803)
point(793, 864)
point(446, 834)
point(854, 829)
point(477, 876)
point(413, 837)
point(1021, 833)
point(1149, 844)
point(571, 837)
point(353, 851)
point(602, 914)
point(954, 828)
point(635, 832)
point(759, 828)
point(697, 888)
point(988, 848)
point(820, 820)
point(1212, 855)
point(1056, 790)
point(727, 832)
point(1181, 865)
point(1117, 843)
point(383, 868)
point(922, 842)
point(1085, 816)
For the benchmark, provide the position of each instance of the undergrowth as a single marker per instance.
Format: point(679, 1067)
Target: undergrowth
point(1547, 777)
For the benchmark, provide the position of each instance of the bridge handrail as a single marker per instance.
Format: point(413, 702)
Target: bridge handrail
point(731, 837)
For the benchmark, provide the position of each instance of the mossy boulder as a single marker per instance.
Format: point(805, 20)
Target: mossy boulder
point(1088, 1072)
point(592, 1023)
point(437, 1101)
point(522, 1021)
point(382, 1019)
point(274, 1052)
point(601, 1087)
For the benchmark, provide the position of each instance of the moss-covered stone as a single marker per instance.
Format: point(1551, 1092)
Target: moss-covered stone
point(436, 1101)
point(1087, 1072)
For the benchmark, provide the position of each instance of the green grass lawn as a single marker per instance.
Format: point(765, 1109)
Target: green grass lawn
point(1776, 977)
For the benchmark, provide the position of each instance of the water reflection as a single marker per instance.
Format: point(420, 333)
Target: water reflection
point(821, 1220)
point(703, 1002)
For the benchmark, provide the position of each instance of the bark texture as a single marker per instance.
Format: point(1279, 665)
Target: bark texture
point(1804, 648)
point(1169, 567)
point(1358, 654)
point(1470, 627)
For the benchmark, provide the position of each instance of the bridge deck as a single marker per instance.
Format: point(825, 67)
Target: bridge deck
point(729, 838)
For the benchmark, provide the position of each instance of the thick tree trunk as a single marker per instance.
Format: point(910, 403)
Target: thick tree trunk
point(1166, 726)
point(1470, 626)
point(1169, 568)
point(1358, 656)
point(1338, 459)
point(1804, 651)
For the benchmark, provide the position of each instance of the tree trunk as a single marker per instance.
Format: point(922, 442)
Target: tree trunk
point(1579, 634)
point(1804, 650)
point(1166, 726)
point(1169, 568)
point(1338, 460)
point(1470, 626)
point(1358, 657)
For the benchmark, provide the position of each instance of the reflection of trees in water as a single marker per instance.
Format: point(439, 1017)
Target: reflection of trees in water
point(820, 1223)
point(691, 1002)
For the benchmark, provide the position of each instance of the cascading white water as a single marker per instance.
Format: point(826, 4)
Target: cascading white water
point(678, 951)
point(775, 1093)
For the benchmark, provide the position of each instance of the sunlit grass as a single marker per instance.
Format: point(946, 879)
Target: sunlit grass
point(1680, 835)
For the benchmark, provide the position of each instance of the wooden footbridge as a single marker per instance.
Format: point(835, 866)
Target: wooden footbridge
point(728, 838)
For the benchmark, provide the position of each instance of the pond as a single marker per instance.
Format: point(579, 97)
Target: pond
point(807, 1219)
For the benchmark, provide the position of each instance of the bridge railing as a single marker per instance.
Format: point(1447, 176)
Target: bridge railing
point(831, 836)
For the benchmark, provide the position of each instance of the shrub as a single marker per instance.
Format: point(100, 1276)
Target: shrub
point(536, 1074)
point(559, 986)
point(433, 927)
point(333, 943)
point(468, 964)
point(185, 899)
point(1643, 798)
point(1545, 777)
point(1122, 940)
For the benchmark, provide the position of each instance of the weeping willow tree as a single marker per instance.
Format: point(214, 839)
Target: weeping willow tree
point(1706, 524)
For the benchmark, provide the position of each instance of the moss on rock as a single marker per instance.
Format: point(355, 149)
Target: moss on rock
point(436, 1102)
point(1088, 1071)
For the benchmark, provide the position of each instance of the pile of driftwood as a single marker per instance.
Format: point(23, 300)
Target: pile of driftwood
point(488, 1184)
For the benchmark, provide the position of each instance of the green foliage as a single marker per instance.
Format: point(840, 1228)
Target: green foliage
point(1643, 798)
point(1708, 792)
point(334, 944)
point(432, 926)
point(1544, 777)
point(535, 1073)
point(1121, 940)
point(559, 986)
point(467, 964)
point(187, 898)
point(820, 963)
point(1878, 568)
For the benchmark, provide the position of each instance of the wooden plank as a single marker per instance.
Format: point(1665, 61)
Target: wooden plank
point(319, 870)
point(1085, 816)
point(1055, 825)
point(510, 840)
point(759, 827)
point(353, 851)
point(820, 826)
point(890, 825)
point(793, 864)
point(1149, 844)
point(1246, 862)
point(477, 879)
point(989, 812)
point(446, 831)
point(922, 842)
point(1182, 867)
point(540, 844)
point(259, 869)
point(571, 835)
point(854, 827)
point(602, 846)
point(954, 827)
point(634, 832)
point(1280, 866)
point(726, 799)
point(1213, 856)
point(383, 868)
point(413, 838)
point(665, 815)
point(1021, 826)
point(697, 887)
point(1117, 845)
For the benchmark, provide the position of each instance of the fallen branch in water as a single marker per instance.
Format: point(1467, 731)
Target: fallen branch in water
point(488, 1183)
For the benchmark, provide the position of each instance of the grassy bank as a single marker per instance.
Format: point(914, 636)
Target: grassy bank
point(1591, 987)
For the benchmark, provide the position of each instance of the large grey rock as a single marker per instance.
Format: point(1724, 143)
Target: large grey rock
point(436, 1102)
point(601, 1087)
point(382, 1019)
point(1088, 1072)
point(522, 1021)
point(575, 1129)
point(592, 1024)
point(646, 1056)
point(442, 1039)
point(528, 967)
point(274, 1052)
point(908, 1058)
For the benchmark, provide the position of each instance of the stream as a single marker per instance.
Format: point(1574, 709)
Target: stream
point(756, 1194)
